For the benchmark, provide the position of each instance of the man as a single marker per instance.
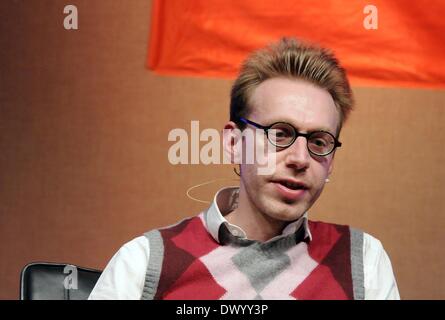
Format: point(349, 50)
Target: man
point(255, 241)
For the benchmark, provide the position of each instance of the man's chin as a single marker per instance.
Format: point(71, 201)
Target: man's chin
point(290, 204)
point(291, 216)
point(287, 212)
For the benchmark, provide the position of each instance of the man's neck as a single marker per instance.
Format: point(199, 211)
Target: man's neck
point(257, 226)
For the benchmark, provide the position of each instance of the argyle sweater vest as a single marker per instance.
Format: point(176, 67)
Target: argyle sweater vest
point(187, 263)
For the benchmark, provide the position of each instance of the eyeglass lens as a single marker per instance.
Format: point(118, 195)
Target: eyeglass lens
point(318, 142)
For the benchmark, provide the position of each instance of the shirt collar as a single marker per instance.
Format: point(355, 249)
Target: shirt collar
point(225, 201)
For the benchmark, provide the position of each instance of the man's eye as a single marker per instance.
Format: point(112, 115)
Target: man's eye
point(281, 134)
point(319, 142)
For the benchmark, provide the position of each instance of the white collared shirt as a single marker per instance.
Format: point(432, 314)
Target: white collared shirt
point(124, 276)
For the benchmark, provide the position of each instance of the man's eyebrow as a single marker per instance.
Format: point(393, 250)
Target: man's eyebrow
point(269, 122)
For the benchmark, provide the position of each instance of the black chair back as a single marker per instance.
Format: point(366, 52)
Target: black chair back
point(56, 281)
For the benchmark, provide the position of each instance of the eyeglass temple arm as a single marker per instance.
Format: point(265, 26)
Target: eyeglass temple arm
point(246, 121)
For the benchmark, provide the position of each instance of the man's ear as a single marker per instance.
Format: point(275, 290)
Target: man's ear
point(331, 165)
point(232, 143)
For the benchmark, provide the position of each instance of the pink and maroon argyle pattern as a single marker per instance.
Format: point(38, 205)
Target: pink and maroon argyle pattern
point(195, 266)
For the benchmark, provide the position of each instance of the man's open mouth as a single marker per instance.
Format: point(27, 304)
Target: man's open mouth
point(292, 184)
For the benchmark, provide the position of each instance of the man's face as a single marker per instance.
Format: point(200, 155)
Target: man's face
point(308, 108)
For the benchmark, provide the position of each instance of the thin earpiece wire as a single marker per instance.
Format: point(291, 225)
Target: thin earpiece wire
point(203, 184)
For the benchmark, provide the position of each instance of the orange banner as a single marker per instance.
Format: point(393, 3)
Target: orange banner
point(380, 42)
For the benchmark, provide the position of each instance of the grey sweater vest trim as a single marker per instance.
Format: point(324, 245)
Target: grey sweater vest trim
point(358, 283)
point(154, 267)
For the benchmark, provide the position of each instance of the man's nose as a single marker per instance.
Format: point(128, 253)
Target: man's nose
point(297, 155)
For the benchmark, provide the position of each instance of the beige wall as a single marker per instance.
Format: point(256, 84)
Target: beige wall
point(83, 140)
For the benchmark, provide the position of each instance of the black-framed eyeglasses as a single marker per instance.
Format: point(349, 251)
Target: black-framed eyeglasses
point(283, 135)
